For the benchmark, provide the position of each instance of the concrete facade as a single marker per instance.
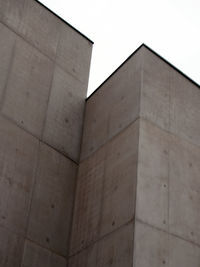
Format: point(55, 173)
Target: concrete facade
point(125, 191)
point(138, 179)
point(43, 82)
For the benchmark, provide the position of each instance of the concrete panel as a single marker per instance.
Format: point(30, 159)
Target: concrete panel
point(95, 131)
point(183, 253)
point(35, 256)
point(113, 107)
point(185, 108)
point(11, 12)
point(74, 53)
point(86, 258)
point(51, 209)
point(40, 27)
point(63, 128)
point(7, 41)
point(152, 181)
point(18, 152)
point(156, 248)
point(155, 90)
point(151, 247)
point(87, 210)
point(115, 249)
point(184, 190)
point(119, 188)
point(28, 88)
point(11, 249)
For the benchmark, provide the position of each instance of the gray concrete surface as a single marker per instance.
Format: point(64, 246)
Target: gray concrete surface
point(88, 201)
point(74, 54)
point(18, 156)
point(52, 202)
point(157, 248)
point(153, 179)
point(105, 195)
point(114, 250)
point(184, 109)
point(137, 195)
point(113, 107)
point(11, 248)
point(155, 89)
point(184, 190)
point(36, 256)
point(64, 122)
point(7, 42)
point(163, 153)
point(118, 202)
point(40, 28)
point(11, 12)
point(28, 88)
point(42, 97)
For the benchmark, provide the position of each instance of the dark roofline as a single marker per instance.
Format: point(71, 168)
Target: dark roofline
point(171, 65)
point(64, 21)
point(151, 50)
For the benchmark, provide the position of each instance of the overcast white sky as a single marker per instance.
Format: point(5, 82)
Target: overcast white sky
point(118, 27)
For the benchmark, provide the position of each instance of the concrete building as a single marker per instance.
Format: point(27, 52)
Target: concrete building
point(131, 197)
point(44, 72)
point(138, 186)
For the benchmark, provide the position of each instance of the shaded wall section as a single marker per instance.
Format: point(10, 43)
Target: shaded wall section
point(137, 198)
point(43, 82)
point(104, 212)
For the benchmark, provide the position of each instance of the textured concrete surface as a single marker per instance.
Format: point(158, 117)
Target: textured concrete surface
point(41, 92)
point(40, 27)
point(51, 209)
point(184, 190)
point(18, 154)
point(105, 195)
point(28, 86)
point(155, 90)
point(156, 248)
point(139, 160)
point(119, 99)
point(86, 258)
point(11, 248)
point(118, 203)
point(160, 154)
point(35, 256)
point(151, 247)
point(87, 209)
point(169, 99)
point(152, 180)
point(114, 250)
point(11, 12)
point(7, 42)
point(168, 182)
point(183, 253)
point(74, 54)
point(185, 109)
point(63, 127)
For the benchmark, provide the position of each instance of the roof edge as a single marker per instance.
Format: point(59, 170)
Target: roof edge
point(114, 72)
point(64, 21)
point(171, 65)
point(155, 53)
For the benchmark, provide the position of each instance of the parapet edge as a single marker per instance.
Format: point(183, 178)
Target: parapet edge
point(155, 53)
point(68, 24)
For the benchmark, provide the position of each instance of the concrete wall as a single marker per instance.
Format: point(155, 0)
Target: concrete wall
point(138, 189)
point(167, 230)
point(103, 223)
point(43, 81)
point(137, 198)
